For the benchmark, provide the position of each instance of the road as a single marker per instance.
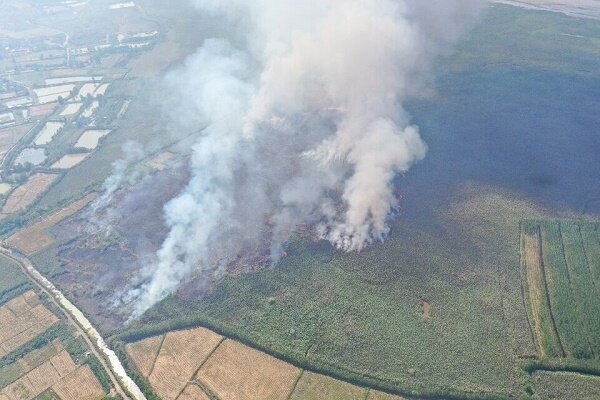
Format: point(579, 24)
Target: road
point(122, 383)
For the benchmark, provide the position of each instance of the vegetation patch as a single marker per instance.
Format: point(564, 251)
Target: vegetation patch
point(563, 299)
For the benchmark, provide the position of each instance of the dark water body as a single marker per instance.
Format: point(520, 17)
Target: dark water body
point(533, 132)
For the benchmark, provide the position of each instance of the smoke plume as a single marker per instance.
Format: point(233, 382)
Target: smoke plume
point(305, 126)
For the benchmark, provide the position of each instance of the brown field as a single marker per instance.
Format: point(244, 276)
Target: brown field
point(193, 392)
point(82, 384)
point(144, 352)
point(36, 237)
point(42, 110)
point(59, 373)
point(63, 363)
point(238, 372)
point(10, 136)
point(537, 291)
point(180, 356)
point(375, 395)
point(23, 196)
point(21, 323)
point(42, 377)
point(318, 387)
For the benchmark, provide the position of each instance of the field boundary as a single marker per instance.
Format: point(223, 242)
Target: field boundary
point(316, 366)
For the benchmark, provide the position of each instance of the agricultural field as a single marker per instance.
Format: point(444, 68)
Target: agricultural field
point(41, 356)
point(229, 370)
point(11, 136)
point(23, 319)
point(562, 269)
point(24, 195)
point(49, 370)
point(315, 387)
point(36, 237)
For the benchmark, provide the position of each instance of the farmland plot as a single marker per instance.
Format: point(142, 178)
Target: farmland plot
point(193, 392)
point(26, 194)
point(180, 355)
point(57, 375)
point(23, 319)
point(68, 161)
point(71, 109)
point(318, 387)
point(34, 238)
point(144, 353)
point(90, 138)
point(10, 136)
point(48, 132)
point(236, 372)
point(375, 395)
point(82, 384)
point(42, 110)
point(562, 268)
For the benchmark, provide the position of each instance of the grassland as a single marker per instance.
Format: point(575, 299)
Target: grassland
point(564, 302)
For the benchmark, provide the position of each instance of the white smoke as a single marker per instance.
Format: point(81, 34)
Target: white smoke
point(317, 136)
point(133, 152)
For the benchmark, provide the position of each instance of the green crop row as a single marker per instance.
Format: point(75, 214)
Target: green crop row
point(582, 284)
point(591, 244)
point(567, 316)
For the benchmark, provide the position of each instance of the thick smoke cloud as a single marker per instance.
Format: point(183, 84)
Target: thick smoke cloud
point(305, 126)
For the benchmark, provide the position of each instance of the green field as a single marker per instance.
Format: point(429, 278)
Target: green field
point(567, 249)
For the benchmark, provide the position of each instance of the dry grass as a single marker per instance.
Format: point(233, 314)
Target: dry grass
point(57, 371)
point(318, 387)
point(82, 384)
point(43, 377)
point(535, 279)
point(180, 356)
point(20, 323)
point(36, 237)
point(63, 363)
point(193, 392)
point(538, 297)
point(238, 372)
point(144, 352)
point(375, 395)
point(10, 136)
point(23, 196)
